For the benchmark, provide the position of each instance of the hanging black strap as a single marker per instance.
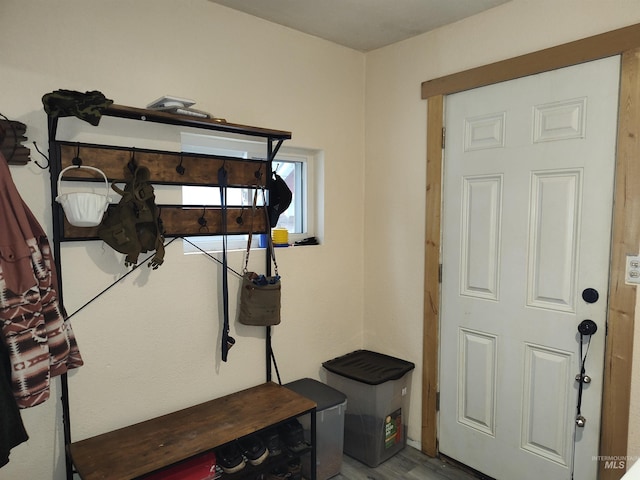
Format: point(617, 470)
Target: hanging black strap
point(227, 341)
point(581, 377)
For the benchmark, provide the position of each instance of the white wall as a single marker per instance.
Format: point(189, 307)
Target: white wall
point(150, 345)
point(396, 153)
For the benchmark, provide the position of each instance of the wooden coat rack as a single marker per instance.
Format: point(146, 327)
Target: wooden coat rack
point(167, 168)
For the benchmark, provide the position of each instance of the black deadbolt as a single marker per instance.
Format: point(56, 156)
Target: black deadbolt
point(590, 295)
point(587, 327)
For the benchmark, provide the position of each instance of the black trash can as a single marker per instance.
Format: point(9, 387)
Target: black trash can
point(377, 387)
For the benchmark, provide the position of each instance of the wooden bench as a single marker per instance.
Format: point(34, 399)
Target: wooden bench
point(151, 445)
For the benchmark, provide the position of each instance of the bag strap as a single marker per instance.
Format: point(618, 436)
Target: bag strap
point(227, 341)
point(270, 248)
point(250, 237)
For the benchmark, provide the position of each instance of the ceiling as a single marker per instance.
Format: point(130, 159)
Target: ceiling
point(363, 25)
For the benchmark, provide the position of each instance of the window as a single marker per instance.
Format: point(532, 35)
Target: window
point(294, 165)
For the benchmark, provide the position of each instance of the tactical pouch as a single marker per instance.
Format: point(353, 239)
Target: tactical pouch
point(133, 226)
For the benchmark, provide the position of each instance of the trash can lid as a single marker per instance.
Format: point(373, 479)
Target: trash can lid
point(324, 395)
point(369, 367)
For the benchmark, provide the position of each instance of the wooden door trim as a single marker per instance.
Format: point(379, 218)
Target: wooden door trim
point(430, 350)
point(588, 49)
point(625, 229)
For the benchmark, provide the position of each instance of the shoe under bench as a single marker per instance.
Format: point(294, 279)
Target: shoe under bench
point(154, 444)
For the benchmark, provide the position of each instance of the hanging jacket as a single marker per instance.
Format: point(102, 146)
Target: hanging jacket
point(41, 343)
point(12, 432)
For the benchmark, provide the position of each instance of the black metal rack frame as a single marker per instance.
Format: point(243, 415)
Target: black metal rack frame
point(274, 140)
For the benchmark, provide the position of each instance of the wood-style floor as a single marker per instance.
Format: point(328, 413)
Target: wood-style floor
point(408, 464)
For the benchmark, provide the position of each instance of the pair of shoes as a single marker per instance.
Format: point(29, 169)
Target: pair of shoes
point(278, 473)
point(231, 456)
point(293, 436)
point(254, 449)
point(272, 441)
point(295, 469)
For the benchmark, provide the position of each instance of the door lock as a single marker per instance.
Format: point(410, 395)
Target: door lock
point(583, 378)
point(590, 295)
point(587, 327)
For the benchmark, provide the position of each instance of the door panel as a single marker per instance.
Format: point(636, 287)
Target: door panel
point(477, 377)
point(554, 226)
point(528, 188)
point(546, 402)
point(481, 216)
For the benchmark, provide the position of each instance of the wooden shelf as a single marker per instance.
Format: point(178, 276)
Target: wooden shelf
point(148, 446)
point(189, 121)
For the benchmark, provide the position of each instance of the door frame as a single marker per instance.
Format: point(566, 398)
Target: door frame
point(621, 308)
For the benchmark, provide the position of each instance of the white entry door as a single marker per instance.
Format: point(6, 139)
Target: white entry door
point(528, 189)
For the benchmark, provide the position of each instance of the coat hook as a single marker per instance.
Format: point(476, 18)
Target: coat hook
point(203, 221)
point(77, 160)
point(258, 173)
point(239, 220)
point(180, 169)
point(132, 162)
point(43, 155)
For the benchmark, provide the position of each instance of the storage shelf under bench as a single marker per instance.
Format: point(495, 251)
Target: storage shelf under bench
point(154, 444)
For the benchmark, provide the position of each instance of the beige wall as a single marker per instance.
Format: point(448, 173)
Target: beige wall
point(396, 152)
point(150, 345)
